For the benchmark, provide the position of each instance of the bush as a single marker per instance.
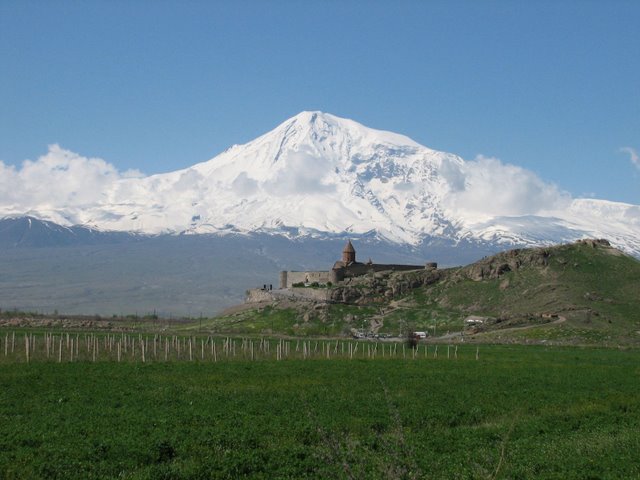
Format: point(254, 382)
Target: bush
point(163, 452)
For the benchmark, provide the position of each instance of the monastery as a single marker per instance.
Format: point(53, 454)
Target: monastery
point(345, 268)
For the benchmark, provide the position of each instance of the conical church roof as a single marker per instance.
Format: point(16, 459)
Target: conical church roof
point(348, 248)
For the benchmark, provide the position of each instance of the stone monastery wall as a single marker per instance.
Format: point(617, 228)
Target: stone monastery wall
point(303, 277)
point(343, 269)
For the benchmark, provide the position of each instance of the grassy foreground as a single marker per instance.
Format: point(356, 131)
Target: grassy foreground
point(517, 412)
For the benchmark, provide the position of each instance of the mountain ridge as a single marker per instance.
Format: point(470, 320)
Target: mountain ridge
point(318, 175)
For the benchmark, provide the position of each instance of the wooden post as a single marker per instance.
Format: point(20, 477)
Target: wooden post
point(447, 352)
point(60, 351)
point(119, 349)
point(435, 352)
point(455, 352)
point(26, 347)
point(215, 354)
point(477, 353)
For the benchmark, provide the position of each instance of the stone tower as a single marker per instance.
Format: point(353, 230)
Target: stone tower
point(283, 280)
point(348, 254)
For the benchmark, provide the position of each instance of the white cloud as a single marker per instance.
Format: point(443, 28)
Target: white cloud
point(488, 187)
point(303, 174)
point(244, 186)
point(633, 156)
point(60, 178)
point(189, 180)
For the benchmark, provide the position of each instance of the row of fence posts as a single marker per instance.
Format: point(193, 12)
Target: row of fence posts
point(127, 347)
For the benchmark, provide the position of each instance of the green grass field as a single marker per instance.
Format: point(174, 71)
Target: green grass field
point(517, 412)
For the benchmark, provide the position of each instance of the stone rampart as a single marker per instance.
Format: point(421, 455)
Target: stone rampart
point(305, 277)
point(256, 295)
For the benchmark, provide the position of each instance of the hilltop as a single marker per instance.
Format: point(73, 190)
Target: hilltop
point(580, 293)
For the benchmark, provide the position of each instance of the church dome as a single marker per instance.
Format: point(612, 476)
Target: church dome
point(349, 253)
point(348, 248)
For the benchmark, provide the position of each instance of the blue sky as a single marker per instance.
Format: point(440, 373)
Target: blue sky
point(551, 86)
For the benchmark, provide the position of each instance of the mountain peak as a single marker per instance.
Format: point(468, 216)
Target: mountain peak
point(310, 116)
point(317, 126)
point(318, 174)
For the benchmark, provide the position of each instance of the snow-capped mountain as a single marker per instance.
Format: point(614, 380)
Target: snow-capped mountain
point(317, 174)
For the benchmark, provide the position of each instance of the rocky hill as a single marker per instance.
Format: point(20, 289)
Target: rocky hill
point(585, 292)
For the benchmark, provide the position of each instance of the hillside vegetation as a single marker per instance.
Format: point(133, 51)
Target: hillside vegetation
point(581, 293)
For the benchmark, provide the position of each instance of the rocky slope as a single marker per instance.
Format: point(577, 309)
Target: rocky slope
point(585, 292)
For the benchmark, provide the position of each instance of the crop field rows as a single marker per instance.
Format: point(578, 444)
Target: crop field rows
point(73, 347)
